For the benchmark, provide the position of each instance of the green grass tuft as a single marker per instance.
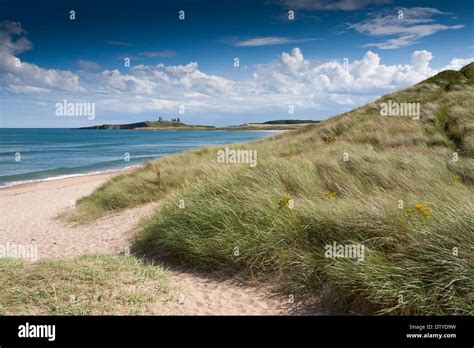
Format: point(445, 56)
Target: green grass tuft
point(91, 285)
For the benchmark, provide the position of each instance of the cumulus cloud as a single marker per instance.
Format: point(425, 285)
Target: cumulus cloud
point(293, 74)
point(23, 77)
point(161, 79)
point(458, 63)
point(415, 24)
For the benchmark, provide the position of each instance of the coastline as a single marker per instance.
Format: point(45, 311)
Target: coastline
point(56, 172)
point(30, 183)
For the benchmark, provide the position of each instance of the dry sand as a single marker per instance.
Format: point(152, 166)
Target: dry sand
point(28, 216)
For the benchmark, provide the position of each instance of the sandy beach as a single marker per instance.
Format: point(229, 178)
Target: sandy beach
point(29, 217)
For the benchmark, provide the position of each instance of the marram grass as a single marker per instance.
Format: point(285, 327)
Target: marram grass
point(403, 188)
point(87, 285)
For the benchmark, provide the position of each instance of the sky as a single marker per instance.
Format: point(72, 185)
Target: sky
point(219, 62)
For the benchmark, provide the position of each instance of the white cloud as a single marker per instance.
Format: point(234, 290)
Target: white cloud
point(8, 30)
point(416, 23)
point(293, 74)
point(458, 63)
point(267, 41)
point(420, 61)
point(26, 77)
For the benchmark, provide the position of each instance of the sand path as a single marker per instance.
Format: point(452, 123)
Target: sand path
point(28, 217)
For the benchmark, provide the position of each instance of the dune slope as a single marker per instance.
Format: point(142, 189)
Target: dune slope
point(401, 187)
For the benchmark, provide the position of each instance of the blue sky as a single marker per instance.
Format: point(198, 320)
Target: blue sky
point(332, 57)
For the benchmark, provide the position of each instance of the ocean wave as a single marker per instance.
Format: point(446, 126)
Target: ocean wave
point(59, 177)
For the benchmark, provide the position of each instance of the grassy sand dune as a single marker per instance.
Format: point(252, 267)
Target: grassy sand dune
point(390, 183)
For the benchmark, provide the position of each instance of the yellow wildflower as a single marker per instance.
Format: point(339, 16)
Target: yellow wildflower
point(421, 208)
point(330, 194)
point(287, 202)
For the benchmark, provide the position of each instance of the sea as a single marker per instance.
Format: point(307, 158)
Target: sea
point(29, 155)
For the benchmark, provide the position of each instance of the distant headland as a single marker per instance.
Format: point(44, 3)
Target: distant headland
point(176, 124)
